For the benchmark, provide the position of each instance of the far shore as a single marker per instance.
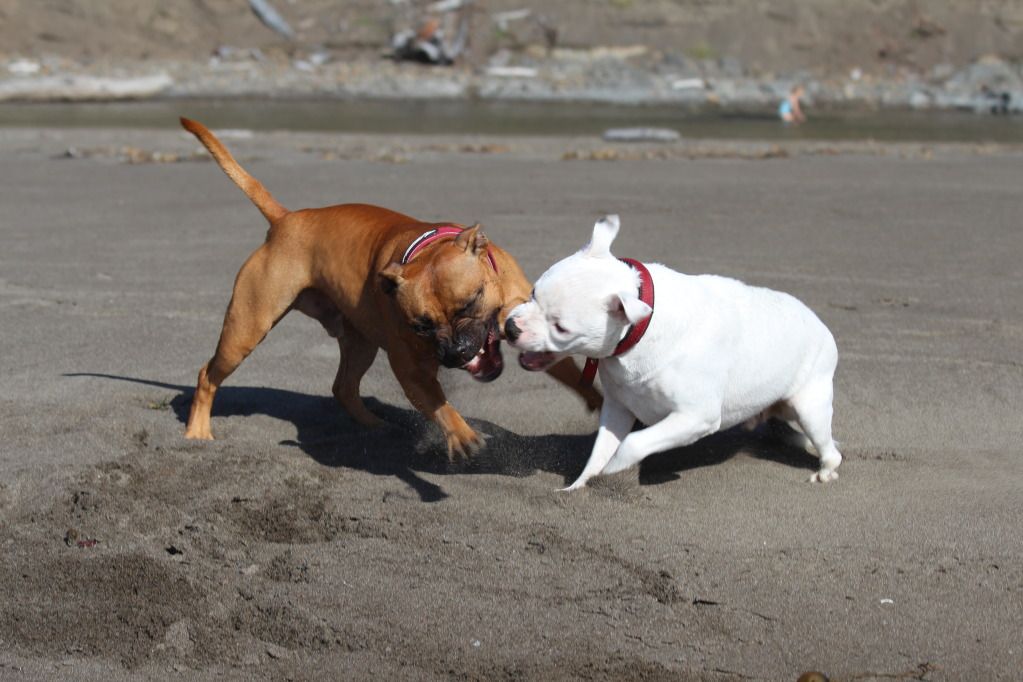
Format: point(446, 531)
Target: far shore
point(989, 85)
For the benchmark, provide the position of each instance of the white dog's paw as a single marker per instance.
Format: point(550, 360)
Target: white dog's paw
point(579, 483)
point(824, 476)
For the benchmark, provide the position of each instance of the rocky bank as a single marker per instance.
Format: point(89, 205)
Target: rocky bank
point(731, 55)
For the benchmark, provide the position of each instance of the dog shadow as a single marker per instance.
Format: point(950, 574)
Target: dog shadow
point(410, 445)
point(772, 442)
point(405, 447)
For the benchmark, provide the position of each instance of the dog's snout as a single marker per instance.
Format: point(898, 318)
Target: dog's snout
point(467, 348)
point(450, 357)
point(511, 330)
point(458, 352)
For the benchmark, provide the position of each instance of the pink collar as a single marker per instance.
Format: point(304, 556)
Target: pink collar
point(436, 234)
point(636, 331)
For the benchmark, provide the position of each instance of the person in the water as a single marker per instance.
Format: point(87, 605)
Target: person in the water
point(789, 110)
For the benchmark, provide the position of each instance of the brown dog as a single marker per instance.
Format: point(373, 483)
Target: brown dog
point(429, 294)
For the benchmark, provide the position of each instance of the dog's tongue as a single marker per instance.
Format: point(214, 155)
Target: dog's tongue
point(487, 364)
point(536, 361)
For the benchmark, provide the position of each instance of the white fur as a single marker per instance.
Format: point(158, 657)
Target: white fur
point(717, 353)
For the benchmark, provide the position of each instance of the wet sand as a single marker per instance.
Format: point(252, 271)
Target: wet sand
point(299, 546)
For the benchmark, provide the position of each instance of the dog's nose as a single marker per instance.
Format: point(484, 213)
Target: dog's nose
point(451, 356)
point(511, 330)
point(466, 348)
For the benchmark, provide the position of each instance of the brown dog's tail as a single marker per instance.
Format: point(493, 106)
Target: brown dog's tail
point(252, 187)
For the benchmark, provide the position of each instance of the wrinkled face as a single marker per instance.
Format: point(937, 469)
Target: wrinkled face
point(582, 305)
point(449, 298)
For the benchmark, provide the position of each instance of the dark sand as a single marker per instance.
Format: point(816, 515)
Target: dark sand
point(299, 546)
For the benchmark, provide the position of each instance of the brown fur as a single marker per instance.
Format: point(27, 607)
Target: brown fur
point(340, 265)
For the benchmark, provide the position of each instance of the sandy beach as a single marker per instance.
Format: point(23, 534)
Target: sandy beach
point(300, 546)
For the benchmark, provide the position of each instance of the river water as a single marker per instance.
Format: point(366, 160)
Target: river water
point(513, 118)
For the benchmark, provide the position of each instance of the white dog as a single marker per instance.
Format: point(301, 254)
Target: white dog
point(711, 353)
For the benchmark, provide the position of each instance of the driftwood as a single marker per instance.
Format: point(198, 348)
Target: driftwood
point(641, 135)
point(270, 17)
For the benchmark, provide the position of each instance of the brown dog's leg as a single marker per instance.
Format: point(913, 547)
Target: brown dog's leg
point(425, 393)
point(263, 292)
point(357, 353)
point(569, 374)
point(357, 356)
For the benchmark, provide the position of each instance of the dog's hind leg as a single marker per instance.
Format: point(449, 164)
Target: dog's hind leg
point(780, 422)
point(263, 293)
point(814, 411)
point(357, 355)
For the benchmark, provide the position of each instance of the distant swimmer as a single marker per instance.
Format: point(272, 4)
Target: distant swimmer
point(789, 109)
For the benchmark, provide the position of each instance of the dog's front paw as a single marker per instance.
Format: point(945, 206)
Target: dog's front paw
point(824, 476)
point(193, 433)
point(464, 443)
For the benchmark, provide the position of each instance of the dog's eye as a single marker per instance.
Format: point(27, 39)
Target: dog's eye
point(467, 309)
point(423, 326)
point(560, 329)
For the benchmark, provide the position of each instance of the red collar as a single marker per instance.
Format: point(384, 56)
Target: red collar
point(436, 234)
point(636, 331)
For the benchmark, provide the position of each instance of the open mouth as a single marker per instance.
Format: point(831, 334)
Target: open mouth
point(487, 364)
point(536, 361)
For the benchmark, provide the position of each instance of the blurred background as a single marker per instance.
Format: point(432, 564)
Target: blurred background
point(884, 69)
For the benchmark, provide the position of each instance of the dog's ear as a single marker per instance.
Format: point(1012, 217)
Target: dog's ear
point(472, 240)
point(391, 278)
point(604, 232)
point(627, 307)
